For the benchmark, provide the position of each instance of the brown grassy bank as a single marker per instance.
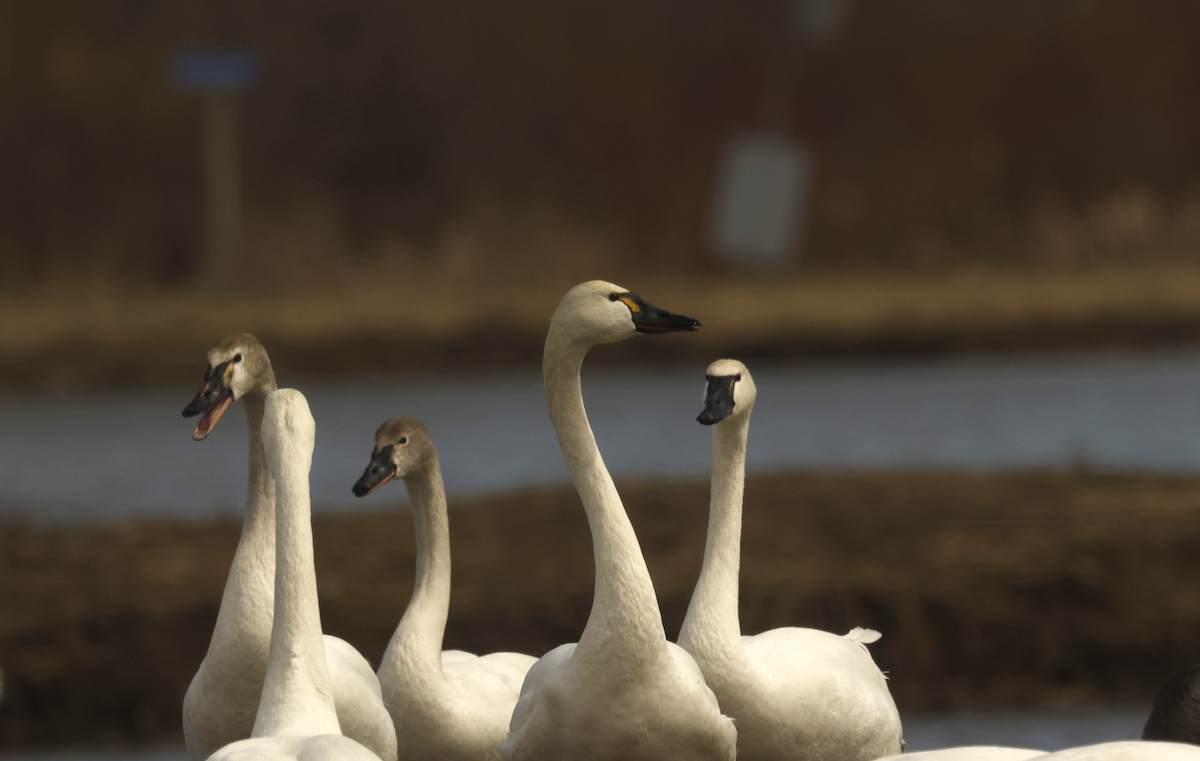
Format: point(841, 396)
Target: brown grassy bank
point(1050, 589)
point(423, 322)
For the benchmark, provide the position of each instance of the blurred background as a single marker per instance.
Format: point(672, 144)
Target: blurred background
point(955, 240)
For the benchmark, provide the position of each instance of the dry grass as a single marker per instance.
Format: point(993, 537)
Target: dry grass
point(394, 323)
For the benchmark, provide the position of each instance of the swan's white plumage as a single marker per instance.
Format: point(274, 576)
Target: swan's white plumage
point(978, 753)
point(863, 636)
point(319, 748)
point(546, 665)
point(794, 693)
point(446, 705)
point(502, 673)
point(1134, 750)
point(621, 692)
point(222, 700)
point(357, 696)
point(296, 718)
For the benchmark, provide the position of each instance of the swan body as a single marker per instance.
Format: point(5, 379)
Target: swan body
point(977, 753)
point(622, 692)
point(223, 697)
point(1133, 750)
point(794, 693)
point(446, 705)
point(296, 718)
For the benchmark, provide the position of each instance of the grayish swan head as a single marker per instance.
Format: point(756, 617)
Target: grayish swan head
point(403, 448)
point(237, 365)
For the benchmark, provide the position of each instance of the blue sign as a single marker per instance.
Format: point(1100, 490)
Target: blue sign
point(216, 69)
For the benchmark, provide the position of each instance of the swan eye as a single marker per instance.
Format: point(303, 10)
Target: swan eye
point(403, 439)
point(237, 357)
point(614, 296)
point(737, 377)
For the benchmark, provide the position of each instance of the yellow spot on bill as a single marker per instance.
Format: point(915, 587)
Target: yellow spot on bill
point(633, 305)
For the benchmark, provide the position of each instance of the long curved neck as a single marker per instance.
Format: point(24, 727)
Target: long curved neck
point(297, 698)
point(712, 627)
point(415, 653)
point(245, 615)
point(625, 611)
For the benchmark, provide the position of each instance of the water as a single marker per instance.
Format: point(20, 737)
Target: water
point(1044, 729)
point(110, 456)
point(1048, 730)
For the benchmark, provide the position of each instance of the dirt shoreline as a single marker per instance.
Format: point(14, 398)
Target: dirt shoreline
point(1036, 589)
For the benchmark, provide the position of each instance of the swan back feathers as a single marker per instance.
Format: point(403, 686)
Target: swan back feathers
point(863, 636)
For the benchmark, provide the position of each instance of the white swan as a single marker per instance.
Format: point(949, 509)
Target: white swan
point(447, 705)
point(1133, 750)
point(223, 697)
point(622, 692)
point(974, 753)
point(296, 718)
point(794, 693)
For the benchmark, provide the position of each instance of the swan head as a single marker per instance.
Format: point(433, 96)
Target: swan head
point(402, 448)
point(237, 365)
point(597, 312)
point(288, 426)
point(729, 392)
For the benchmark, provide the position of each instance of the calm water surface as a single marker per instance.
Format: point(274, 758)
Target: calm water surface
point(111, 456)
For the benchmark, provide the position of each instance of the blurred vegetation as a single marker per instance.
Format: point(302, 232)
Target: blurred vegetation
point(511, 139)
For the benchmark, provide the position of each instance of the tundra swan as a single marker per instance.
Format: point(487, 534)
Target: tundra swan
point(222, 699)
point(622, 692)
point(296, 718)
point(975, 753)
point(447, 705)
point(1133, 750)
point(1175, 716)
point(794, 693)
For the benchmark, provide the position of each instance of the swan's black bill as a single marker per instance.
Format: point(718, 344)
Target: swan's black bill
point(648, 318)
point(379, 472)
point(718, 399)
point(213, 398)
